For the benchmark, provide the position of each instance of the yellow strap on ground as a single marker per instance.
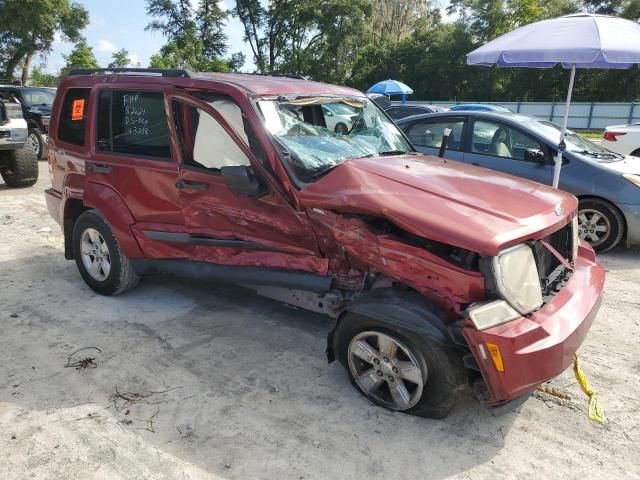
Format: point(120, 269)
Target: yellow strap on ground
point(596, 410)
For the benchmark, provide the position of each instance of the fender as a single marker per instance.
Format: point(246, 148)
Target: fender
point(407, 310)
point(111, 205)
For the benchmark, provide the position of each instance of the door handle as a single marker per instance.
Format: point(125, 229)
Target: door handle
point(99, 168)
point(191, 185)
point(476, 164)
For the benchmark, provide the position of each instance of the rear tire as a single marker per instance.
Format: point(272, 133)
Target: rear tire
point(433, 392)
point(19, 167)
point(600, 224)
point(100, 260)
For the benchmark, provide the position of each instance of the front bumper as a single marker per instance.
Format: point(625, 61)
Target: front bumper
point(632, 217)
point(539, 347)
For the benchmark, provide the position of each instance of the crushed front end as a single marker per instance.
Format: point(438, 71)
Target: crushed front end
point(520, 338)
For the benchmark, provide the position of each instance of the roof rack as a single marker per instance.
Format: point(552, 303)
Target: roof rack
point(165, 72)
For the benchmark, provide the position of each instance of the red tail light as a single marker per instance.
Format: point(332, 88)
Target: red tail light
point(612, 136)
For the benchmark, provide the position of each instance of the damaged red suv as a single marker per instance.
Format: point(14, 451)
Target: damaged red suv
point(439, 274)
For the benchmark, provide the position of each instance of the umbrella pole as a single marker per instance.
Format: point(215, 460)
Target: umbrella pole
point(563, 131)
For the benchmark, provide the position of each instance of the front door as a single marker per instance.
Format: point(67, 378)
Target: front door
point(226, 227)
point(501, 147)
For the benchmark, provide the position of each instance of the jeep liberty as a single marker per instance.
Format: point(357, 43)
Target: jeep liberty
point(439, 275)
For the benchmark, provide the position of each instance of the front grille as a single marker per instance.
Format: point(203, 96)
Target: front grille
point(551, 271)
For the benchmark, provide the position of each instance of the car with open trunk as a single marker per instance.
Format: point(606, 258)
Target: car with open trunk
point(440, 276)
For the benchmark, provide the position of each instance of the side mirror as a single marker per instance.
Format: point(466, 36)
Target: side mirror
point(535, 155)
point(242, 180)
point(328, 113)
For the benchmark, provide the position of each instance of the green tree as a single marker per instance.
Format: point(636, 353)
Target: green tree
point(120, 59)
point(236, 61)
point(39, 78)
point(80, 57)
point(196, 39)
point(29, 27)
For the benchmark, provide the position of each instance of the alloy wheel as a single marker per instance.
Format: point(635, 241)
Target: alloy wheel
point(95, 254)
point(34, 143)
point(385, 370)
point(593, 226)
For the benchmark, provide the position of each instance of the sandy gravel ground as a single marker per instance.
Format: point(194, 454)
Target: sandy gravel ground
point(209, 381)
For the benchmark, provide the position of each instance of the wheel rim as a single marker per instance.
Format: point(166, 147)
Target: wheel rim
point(386, 370)
point(341, 128)
point(593, 226)
point(95, 254)
point(34, 143)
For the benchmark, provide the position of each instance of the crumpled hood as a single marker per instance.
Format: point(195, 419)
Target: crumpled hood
point(443, 200)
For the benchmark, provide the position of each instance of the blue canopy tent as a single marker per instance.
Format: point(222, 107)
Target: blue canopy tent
point(391, 87)
point(573, 41)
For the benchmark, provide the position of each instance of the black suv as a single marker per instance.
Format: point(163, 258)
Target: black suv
point(36, 107)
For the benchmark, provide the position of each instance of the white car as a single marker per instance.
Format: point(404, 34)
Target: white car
point(624, 139)
point(339, 118)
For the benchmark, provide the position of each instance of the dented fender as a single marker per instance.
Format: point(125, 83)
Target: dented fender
point(112, 206)
point(405, 310)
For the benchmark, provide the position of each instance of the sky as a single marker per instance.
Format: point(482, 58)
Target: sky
point(116, 24)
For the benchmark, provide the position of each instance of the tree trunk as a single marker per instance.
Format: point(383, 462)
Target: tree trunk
point(14, 61)
point(26, 66)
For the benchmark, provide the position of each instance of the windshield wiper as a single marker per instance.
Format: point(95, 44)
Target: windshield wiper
point(321, 173)
point(394, 152)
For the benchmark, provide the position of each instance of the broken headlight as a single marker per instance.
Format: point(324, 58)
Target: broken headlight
point(516, 278)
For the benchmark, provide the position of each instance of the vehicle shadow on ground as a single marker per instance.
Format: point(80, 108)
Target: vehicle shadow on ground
point(619, 258)
point(246, 391)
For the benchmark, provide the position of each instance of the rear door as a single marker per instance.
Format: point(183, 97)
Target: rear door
point(426, 135)
point(133, 155)
point(500, 146)
point(227, 227)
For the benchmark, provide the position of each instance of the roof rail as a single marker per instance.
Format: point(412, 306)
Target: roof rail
point(165, 72)
point(294, 76)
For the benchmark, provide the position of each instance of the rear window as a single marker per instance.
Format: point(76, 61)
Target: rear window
point(133, 123)
point(73, 117)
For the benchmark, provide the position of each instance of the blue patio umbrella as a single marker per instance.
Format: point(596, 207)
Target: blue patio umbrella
point(573, 41)
point(391, 87)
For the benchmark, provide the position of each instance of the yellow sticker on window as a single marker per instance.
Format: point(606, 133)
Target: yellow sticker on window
point(77, 110)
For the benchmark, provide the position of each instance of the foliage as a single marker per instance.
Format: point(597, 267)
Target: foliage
point(119, 59)
point(39, 78)
point(196, 39)
point(80, 57)
point(29, 27)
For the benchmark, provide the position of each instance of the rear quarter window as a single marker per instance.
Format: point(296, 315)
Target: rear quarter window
point(73, 116)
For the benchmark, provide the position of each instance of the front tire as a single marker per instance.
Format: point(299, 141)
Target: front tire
point(600, 224)
point(19, 168)
point(100, 260)
point(36, 142)
point(397, 369)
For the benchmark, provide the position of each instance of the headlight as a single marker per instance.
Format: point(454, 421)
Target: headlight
point(635, 179)
point(45, 121)
point(575, 238)
point(516, 277)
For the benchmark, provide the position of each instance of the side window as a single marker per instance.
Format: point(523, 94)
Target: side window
point(133, 123)
point(73, 116)
point(233, 115)
point(501, 141)
point(430, 133)
point(204, 142)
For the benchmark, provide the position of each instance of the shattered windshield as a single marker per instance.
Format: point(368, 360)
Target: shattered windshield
point(319, 133)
